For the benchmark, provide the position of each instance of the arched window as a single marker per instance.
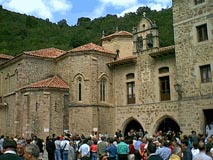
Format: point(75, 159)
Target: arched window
point(130, 76)
point(163, 70)
point(164, 84)
point(103, 89)
point(79, 89)
point(130, 88)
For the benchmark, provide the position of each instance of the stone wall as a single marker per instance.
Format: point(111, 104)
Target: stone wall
point(149, 116)
point(93, 69)
point(190, 55)
point(120, 83)
point(43, 113)
point(8, 116)
point(123, 44)
point(83, 119)
point(24, 72)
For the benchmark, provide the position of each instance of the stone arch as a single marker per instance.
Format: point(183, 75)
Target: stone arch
point(79, 75)
point(103, 75)
point(166, 123)
point(131, 123)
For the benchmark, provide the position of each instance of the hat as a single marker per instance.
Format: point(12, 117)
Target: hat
point(8, 143)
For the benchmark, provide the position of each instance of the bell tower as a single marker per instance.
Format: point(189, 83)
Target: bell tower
point(145, 35)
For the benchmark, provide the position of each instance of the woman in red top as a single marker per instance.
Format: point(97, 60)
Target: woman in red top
point(94, 149)
point(131, 155)
point(143, 149)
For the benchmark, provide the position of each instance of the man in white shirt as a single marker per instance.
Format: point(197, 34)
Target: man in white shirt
point(84, 150)
point(65, 145)
point(202, 155)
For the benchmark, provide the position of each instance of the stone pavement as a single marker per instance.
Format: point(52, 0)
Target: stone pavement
point(45, 155)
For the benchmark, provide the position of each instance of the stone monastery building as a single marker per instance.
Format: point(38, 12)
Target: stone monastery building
point(129, 82)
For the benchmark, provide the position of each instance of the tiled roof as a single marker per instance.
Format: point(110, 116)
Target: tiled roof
point(91, 47)
point(53, 82)
point(47, 52)
point(120, 33)
point(4, 56)
point(129, 59)
point(162, 51)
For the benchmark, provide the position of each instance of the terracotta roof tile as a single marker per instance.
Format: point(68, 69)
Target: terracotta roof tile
point(116, 34)
point(4, 56)
point(124, 60)
point(48, 53)
point(162, 51)
point(91, 47)
point(53, 82)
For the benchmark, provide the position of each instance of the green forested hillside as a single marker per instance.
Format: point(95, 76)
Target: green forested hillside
point(19, 32)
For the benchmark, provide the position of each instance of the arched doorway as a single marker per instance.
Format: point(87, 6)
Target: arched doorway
point(168, 124)
point(208, 121)
point(133, 125)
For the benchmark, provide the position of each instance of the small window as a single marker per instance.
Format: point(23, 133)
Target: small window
point(102, 89)
point(205, 73)
point(131, 92)
point(130, 76)
point(199, 2)
point(164, 88)
point(163, 70)
point(79, 89)
point(202, 33)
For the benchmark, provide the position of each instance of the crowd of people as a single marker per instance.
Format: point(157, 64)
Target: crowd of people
point(136, 145)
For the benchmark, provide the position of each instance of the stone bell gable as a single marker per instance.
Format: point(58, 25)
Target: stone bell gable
point(145, 35)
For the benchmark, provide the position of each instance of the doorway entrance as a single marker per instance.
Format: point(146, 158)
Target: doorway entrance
point(208, 121)
point(133, 125)
point(168, 124)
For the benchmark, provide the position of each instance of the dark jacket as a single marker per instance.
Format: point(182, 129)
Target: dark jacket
point(9, 156)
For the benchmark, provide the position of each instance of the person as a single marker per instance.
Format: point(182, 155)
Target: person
point(163, 151)
point(142, 148)
point(137, 146)
point(50, 148)
point(131, 155)
point(71, 153)
point(111, 149)
point(9, 150)
point(65, 145)
point(31, 152)
point(94, 149)
point(101, 146)
point(151, 149)
point(39, 143)
point(122, 150)
point(176, 155)
point(84, 150)
point(57, 148)
point(195, 149)
point(202, 154)
point(1, 144)
point(187, 154)
point(20, 148)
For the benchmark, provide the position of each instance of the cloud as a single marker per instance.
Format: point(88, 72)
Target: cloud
point(118, 3)
point(128, 10)
point(129, 5)
point(153, 4)
point(159, 4)
point(39, 8)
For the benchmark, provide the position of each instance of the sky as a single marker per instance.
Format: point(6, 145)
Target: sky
point(71, 10)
